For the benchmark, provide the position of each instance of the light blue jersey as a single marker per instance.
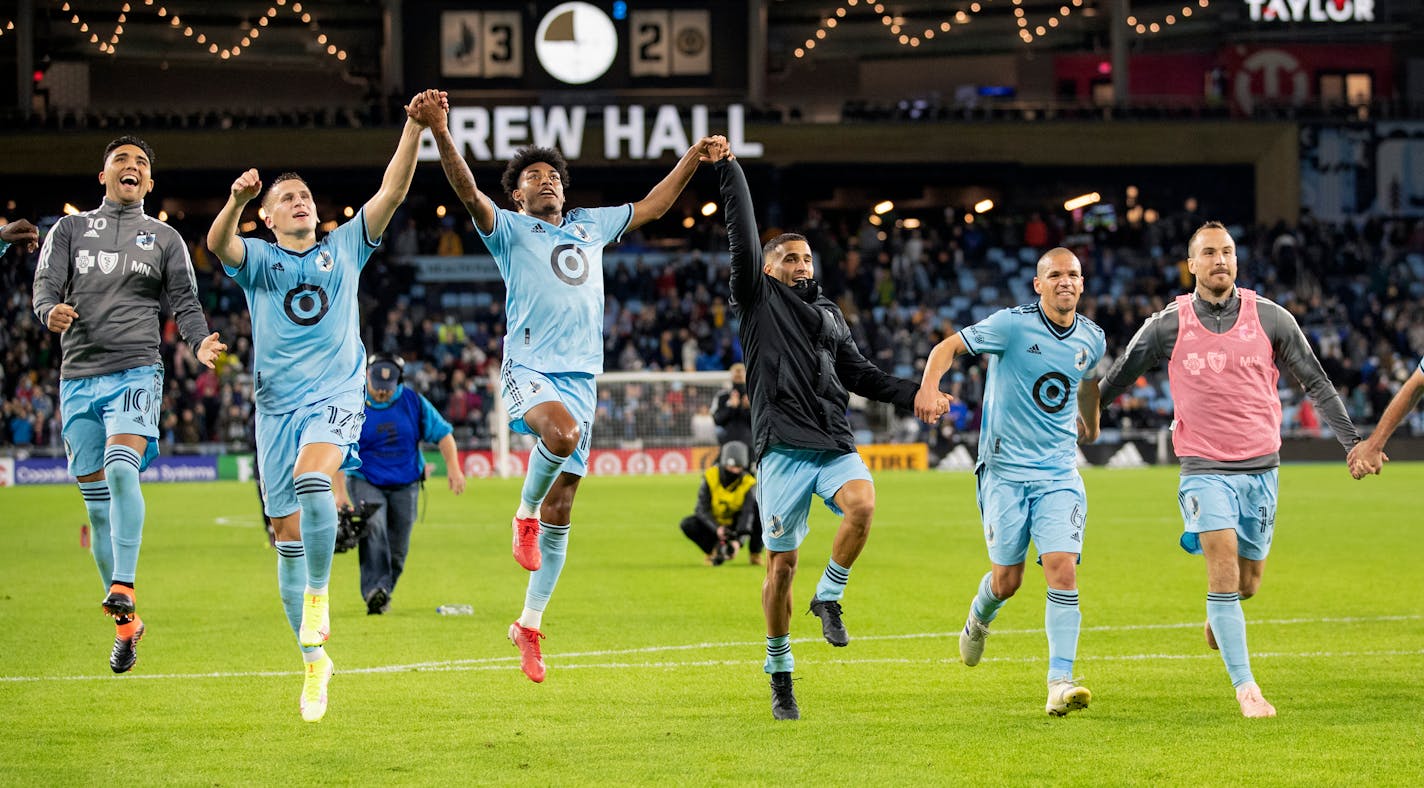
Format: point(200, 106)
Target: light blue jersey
point(1029, 430)
point(305, 334)
point(554, 277)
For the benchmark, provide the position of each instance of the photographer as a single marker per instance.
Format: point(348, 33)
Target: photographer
point(732, 410)
point(391, 474)
point(726, 515)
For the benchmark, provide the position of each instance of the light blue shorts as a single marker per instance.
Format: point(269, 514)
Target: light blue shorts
point(786, 480)
point(1218, 501)
point(578, 392)
point(1053, 513)
point(281, 436)
point(122, 403)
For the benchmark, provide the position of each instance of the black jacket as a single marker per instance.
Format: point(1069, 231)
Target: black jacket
point(800, 356)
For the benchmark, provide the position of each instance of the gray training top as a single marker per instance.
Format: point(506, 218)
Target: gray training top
point(1154, 342)
point(112, 264)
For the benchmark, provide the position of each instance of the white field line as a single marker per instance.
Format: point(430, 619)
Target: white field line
point(503, 663)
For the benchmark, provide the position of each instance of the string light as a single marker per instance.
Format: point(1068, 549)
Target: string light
point(896, 26)
point(1147, 27)
point(249, 32)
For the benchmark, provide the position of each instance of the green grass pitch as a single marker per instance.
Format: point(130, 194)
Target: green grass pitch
point(655, 660)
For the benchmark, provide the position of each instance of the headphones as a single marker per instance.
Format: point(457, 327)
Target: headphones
point(391, 359)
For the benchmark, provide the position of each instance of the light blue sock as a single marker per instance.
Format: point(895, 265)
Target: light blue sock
point(96, 500)
point(553, 546)
point(291, 582)
point(126, 509)
point(833, 581)
point(986, 606)
point(778, 655)
point(1062, 620)
point(318, 507)
point(544, 467)
point(1228, 624)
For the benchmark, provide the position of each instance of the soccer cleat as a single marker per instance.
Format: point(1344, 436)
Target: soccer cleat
point(971, 640)
point(119, 602)
point(527, 640)
point(1210, 637)
point(125, 653)
point(1065, 695)
point(1252, 703)
point(316, 620)
point(829, 611)
point(783, 699)
point(526, 543)
point(318, 676)
point(377, 602)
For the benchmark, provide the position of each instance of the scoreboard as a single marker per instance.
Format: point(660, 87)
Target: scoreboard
point(674, 48)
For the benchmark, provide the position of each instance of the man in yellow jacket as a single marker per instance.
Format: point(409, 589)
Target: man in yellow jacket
point(726, 514)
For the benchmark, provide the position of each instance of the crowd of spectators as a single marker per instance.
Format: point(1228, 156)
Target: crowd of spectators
point(1357, 289)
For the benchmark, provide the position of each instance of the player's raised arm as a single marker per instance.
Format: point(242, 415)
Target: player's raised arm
point(941, 358)
point(222, 236)
point(742, 236)
point(661, 198)
point(396, 182)
point(434, 117)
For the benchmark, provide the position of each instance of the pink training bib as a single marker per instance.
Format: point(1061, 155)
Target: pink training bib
point(1224, 387)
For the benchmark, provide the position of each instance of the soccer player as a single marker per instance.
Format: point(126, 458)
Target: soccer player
point(800, 360)
point(98, 282)
point(552, 265)
point(309, 366)
point(1368, 455)
point(1042, 357)
point(18, 232)
point(1221, 344)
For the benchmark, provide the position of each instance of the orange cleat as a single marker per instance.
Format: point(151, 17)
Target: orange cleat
point(527, 641)
point(526, 543)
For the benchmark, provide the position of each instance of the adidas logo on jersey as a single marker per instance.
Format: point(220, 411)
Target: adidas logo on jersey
point(538, 228)
point(1034, 349)
point(277, 267)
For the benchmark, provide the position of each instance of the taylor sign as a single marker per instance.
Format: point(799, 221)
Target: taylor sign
point(636, 132)
point(1312, 10)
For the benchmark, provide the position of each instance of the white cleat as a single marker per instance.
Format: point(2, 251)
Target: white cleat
point(971, 640)
point(1065, 695)
point(1252, 703)
point(314, 689)
point(316, 620)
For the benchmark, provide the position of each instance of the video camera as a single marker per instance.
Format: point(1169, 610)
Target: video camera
point(351, 525)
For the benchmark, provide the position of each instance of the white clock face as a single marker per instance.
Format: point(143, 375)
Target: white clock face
point(576, 43)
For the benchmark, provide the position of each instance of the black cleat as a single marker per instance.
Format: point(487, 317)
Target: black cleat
point(118, 604)
point(125, 652)
point(829, 611)
point(783, 699)
point(377, 602)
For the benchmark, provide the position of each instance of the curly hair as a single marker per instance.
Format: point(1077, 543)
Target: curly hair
point(533, 155)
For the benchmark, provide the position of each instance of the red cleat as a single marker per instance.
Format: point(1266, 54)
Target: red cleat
point(526, 543)
point(527, 641)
